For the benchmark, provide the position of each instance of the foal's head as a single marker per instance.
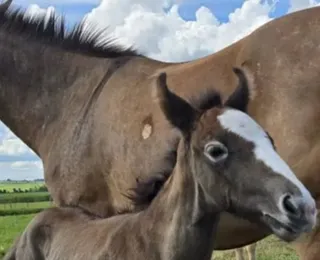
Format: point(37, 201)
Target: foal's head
point(234, 161)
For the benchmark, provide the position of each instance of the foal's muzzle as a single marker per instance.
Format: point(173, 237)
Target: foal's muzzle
point(296, 216)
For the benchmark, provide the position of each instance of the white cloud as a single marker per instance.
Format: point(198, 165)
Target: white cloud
point(296, 5)
point(20, 170)
point(17, 161)
point(166, 36)
point(11, 145)
point(158, 34)
point(55, 2)
point(22, 165)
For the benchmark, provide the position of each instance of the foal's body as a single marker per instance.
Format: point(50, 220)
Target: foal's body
point(216, 170)
point(163, 231)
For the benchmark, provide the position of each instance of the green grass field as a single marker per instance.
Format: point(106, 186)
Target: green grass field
point(17, 209)
point(33, 205)
point(9, 186)
point(23, 208)
point(270, 248)
point(24, 197)
point(10, 227)
point(24, 194)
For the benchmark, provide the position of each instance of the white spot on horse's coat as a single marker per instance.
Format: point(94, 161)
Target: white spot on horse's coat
point(244, 126)
point(146, 132)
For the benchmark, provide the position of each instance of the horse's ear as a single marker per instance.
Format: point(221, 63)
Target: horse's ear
point(239, 99)
point(177, 111)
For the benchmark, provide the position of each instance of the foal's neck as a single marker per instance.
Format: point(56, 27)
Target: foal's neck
point(181, 217)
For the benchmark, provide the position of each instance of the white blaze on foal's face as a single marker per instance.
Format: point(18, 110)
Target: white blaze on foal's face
point(245, 127)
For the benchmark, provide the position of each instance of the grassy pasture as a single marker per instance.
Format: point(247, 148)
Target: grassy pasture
point(17, 209)
point(270, 248)
point(23, 208)
point(10, 228)
point(26, 205)
point(24, 197)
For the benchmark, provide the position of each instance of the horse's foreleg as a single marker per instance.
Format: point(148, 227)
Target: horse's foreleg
point(239, 252)
point(251, 250)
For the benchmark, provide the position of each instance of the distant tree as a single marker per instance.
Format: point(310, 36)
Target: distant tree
point(5, 191)
point(15, 190)
point(42, 188)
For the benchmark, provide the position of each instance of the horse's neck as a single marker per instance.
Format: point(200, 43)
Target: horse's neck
point(38, 83)
point(181, 218)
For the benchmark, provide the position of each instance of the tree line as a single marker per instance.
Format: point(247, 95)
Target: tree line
point(41, 188)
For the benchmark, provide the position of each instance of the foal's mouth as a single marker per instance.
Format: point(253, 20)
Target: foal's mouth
point(296, 215)
point(286, 231)
point(276, 224)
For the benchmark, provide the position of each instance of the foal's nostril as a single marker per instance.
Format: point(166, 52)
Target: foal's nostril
point(290, 206)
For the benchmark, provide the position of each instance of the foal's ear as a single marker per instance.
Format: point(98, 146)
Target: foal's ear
point(177, 111)
point(239, 99)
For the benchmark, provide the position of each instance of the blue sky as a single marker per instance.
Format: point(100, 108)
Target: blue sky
point(220, 8)
point(16, 160)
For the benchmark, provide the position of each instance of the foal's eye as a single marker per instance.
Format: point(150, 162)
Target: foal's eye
point(216, 151)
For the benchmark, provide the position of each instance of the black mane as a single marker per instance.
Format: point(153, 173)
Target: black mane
point(206, 100)
point(52, 31)
point(147, 189)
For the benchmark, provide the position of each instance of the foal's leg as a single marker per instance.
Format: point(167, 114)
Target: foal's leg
point(251, 250)
point(239, 253)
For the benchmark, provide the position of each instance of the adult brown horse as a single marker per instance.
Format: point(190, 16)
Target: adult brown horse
point(85, 108)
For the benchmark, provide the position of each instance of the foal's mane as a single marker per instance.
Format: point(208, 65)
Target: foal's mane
point(206, 99)
point(147, 189)
point(52, 31)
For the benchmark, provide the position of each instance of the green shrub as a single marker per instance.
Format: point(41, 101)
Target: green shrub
point(15, 212)
point(24, 197)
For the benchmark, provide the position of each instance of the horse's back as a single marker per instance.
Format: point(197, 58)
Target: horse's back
point(27, 246)
point(284, 57)
point(36, 241)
